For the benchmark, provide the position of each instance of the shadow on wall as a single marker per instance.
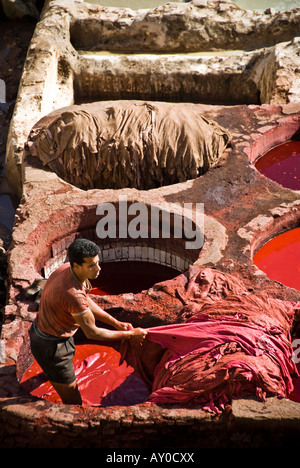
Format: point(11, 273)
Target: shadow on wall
point(18, 9)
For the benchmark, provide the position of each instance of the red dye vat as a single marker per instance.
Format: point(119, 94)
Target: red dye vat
point(282, 164)
point(102, 380)
point(280, 258)
point(125, 277)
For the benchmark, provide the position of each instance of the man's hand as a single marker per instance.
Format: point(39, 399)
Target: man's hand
point(138, 335)
point(123, 326)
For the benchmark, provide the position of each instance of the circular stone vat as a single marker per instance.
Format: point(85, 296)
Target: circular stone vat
point(129, 265)
point(279, 258)
point(282, 164)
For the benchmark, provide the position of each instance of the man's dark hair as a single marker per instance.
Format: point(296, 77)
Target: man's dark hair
point(80, 249)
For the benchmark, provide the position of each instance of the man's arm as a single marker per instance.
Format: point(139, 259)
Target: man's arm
point(87, 323)
point(105, 317)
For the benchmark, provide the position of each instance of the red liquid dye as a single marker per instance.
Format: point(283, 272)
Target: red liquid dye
point(280, 258)
point(125, 277)
point(282, 164)
point(102, 381)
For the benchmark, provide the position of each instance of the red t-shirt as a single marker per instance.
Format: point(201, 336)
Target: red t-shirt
point(63, 296)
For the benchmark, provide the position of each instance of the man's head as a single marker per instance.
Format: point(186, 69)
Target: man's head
point(84, 259)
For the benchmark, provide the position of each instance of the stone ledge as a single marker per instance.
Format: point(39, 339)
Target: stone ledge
point(250, 424)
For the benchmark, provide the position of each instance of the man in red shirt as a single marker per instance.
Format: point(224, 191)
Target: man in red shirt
point(64, 307)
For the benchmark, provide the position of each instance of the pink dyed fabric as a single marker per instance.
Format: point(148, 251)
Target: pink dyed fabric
point(231, 348)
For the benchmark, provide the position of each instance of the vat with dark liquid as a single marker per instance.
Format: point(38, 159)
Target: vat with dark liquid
point(130, 277)
point(282, 164)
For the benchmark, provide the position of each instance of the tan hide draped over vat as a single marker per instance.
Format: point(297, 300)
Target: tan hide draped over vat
point(127, 144)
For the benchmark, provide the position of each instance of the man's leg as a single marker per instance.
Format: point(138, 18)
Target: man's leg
point(55, 358)
point(69, 393)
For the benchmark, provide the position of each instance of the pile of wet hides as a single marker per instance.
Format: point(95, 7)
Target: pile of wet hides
point(127, 144)
point(228, 346)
